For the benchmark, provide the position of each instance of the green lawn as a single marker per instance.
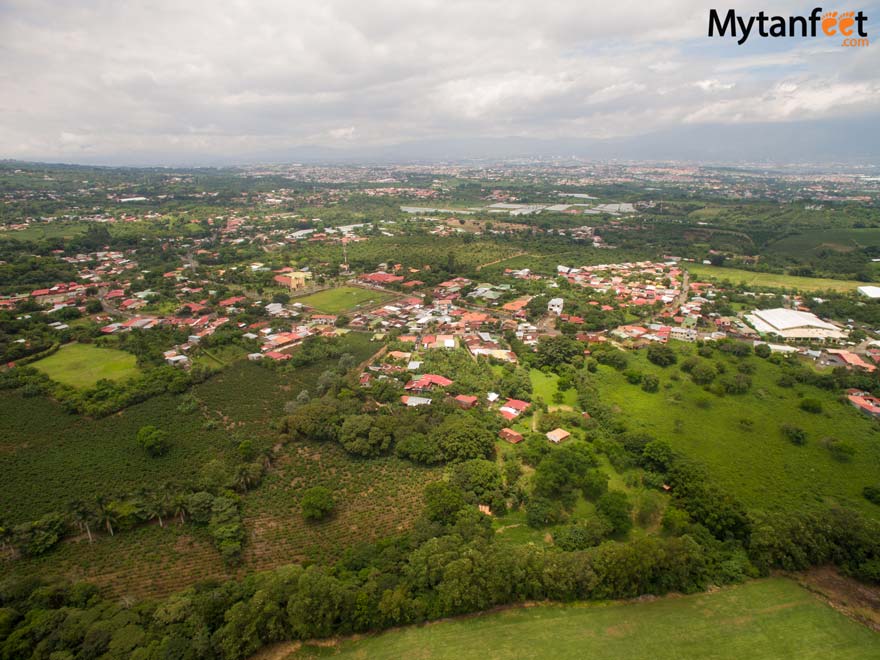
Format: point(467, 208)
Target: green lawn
point(738, 437)
point(83, 365)
point(773, 618)
point(840, 240)
point(46, 231)
point(736, 275)
point(545, 386)
point(344, 299)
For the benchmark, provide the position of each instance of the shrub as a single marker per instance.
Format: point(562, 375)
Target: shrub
point(811, 406)
point(738, 384)
point(703, 373)
point(675, 521)
point(153, 441)
point(794, 434)
point(581, 535)
point(661, 355)
point(650, 383)
point(840, 451)
point(762, 351)
point(872, 494)
point(317, 503)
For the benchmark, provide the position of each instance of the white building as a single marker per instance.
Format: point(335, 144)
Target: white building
point(683, 334)
point(869, 291)
point(555, 306)
point(792, 324)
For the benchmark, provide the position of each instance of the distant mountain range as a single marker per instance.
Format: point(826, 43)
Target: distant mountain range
point(856, 142)
point(852, 142)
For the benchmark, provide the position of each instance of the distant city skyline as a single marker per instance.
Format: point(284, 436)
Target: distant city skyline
point(197, 83)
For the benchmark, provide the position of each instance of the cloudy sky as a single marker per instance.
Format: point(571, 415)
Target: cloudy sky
point(192, 81)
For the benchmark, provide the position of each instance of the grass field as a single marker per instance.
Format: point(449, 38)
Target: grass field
point(840, 240)
point(83, 365)
point(738, 437)
point(736, 275)
point(65, 230)
point(773, 618)
point(545, 386)
point(344, 299)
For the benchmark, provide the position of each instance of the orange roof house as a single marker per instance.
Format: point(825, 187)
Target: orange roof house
point(510, 435)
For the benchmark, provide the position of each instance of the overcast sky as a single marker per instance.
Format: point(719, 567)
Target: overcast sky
point(188, 80)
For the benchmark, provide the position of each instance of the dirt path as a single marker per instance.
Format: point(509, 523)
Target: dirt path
point(856, 600)
point(498, 261)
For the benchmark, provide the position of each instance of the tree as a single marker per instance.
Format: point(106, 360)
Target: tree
point(155, 507)
point(443, 501)
point(82, 515)
point(661, 355)
point(179, 506)
point(562, 471)
point(317, 420)
point(365, 435)
point(703, 373)
point(657, 455)
point(594, 484)
point(477, 476)
point(245, 450)
point(614, 506)
point(154, 441)
point(541, 511)
point(554, 351)
point(460, 439)
point(582, 535)
point(317, 503)
point(419, 448)
point(105, 515)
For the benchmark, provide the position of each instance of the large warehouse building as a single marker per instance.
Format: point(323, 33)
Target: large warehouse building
point(792, 324)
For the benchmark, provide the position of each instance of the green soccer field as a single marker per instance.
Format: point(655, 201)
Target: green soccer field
point(344, 299)
point(83, 365)
point(766, 619)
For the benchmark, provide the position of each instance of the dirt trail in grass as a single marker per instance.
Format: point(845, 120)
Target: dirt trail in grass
point(498, 261)
point(856, 600)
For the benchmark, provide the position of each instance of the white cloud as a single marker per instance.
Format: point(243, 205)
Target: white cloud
point(230, 79)
point(714, 85)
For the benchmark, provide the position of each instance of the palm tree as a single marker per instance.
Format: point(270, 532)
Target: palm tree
point(105, 514)
point(178, 506)
point(268, 456)
point(158, 504)
point(153, 509)
point(82, 515)
point(5, 535)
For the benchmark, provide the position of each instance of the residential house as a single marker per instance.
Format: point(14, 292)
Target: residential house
point(510, 435)
point(558, 435)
